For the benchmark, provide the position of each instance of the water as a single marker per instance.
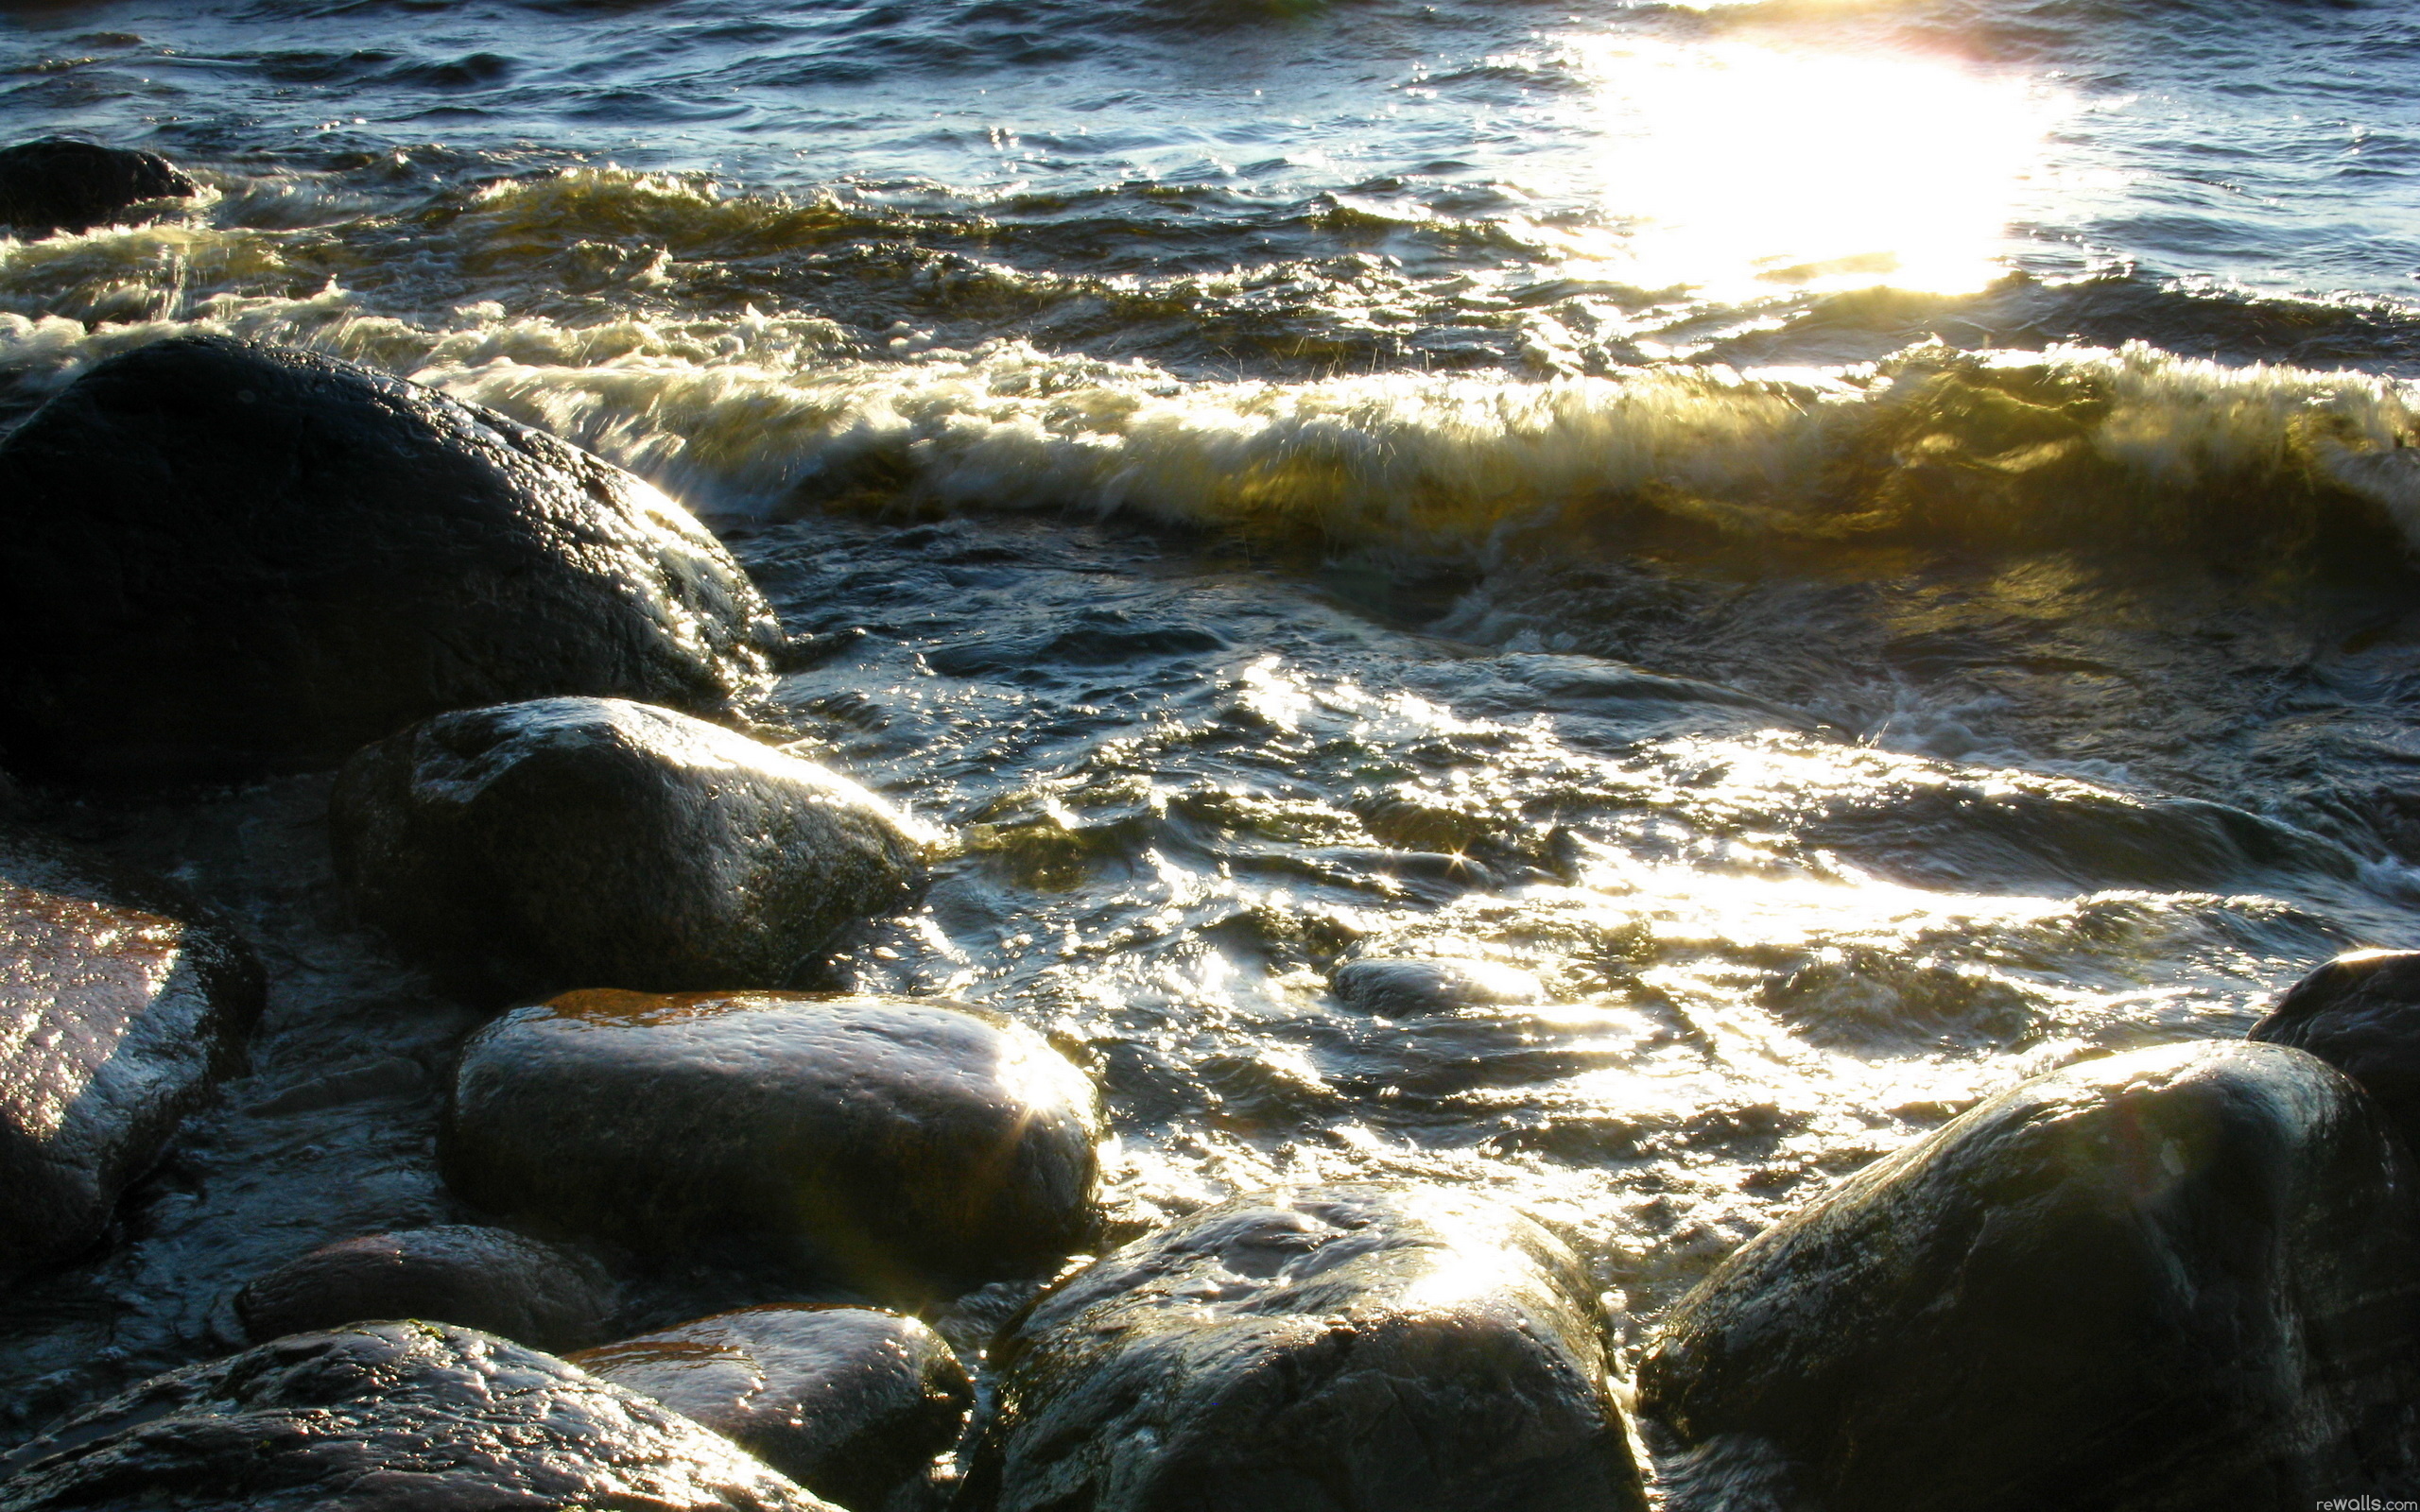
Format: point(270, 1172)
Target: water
point(1866, 542)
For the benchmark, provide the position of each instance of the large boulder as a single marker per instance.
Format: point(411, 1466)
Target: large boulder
point(588, 842)
point(1315, 1350)
point(386, 1417)
point(545, 1296)
point(2171, 1280)
point(122, 1003)
point(226, 558)
point(59, 185)
point(2360, 1013)
point(900, 1144)
point(850, 1403)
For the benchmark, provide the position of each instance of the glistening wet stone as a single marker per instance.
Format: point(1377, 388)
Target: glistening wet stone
point(2360, 1013)
point(548, 1297)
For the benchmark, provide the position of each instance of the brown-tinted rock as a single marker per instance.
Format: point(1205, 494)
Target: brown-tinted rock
point(2360, 1013)
point(545, 1296)
point(850, 1403)
point(61, 184)
point(591, 842)
point(902, 1143)
point(386, 1417)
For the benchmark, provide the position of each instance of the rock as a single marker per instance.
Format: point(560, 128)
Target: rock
point(492, 1280)
point(898, 1143)
point(227, 559)
point(382, 1417)
point(850, 1403)
point(586, 842)
point(61, 185)
point(2175, 1278)
point(1318, 1348)
point(2360, 1013)
point(1400, 986)
point(122, 1003)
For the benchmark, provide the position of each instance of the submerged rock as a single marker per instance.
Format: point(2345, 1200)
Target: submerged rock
point(59, 185)
point(1401, 987)
point(579, 842)
point(1308, 1349)
point(2177, 1279)
point(900, 1143)
point(492, 1280)
point(387, 1416)
point(122, 1002)
point(226, 558)
point(850, 1403)
point(2360, 1013)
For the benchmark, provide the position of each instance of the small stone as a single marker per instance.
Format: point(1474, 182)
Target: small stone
point(1397, 987)
point(59, 185)
point(541, 1294)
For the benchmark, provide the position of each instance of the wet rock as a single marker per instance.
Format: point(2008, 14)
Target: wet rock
point(2360, 1013)
point(900, 1144)
point(1315, 1348)
point(492, 1280)
point(227, 558)
point(122, 1003)
point(61, 184)
point(850, 1403)
point(389, 1416)
point(2176, 1278)
point(579, 842)
point(1397, 987)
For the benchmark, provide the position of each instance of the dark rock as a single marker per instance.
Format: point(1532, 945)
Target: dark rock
point(530, 1291)
point(122, 1002)
point(227, 558)
point(850, 1403)
point(584, 842)
point(387, 1416)
point(2360, 1013)
point(2177, 1279)
point(1322, 1347)
point(899, 1144)
point(61, 185)
point(1397, 987)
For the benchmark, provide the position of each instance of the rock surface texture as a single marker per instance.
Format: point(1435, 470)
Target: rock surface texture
point(1324, 1348)
point(1397, 986)
point(850, 1403)
point(2182, 1278)
point(2360, 1013)
point(897, 1144)
point(226, 558)
point(584, 842)
point(121, 1004)
point(492, 1280)
point(389, 1416)
point(61, 184)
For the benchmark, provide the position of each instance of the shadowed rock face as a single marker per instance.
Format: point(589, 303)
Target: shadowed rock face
point(2360, 1013)
point(389, 1416)
point(227, 559)
point(850, 1403)
point(577, 842)
point(61, 185)
point(2178, 1278)
point(1320, 1349)
point(500, 1283)
point(122, 1003)
point(905, 1146)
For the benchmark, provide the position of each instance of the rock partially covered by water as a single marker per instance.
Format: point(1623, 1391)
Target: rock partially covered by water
point(59, 185)
point(226, 558)
point(545, 1296)
point(577, 842)
point(901, 1145)
point(2360, 1013)
point(122, 1003)
point(1400, 986)
point(1313, 1349)
point(2180, 1278)
point(389, 1416)
point(850, 1403)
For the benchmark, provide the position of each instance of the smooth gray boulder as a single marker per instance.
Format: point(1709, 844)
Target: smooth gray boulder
point(533, 847)
point(122, 1003)
point(852, 1403)
point(547, 1297)
point(2360, 1013)
point(60, 184)
point(1315, 1350)
point(1397, 986)
point(2181, 1278)
point(387, 1418)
